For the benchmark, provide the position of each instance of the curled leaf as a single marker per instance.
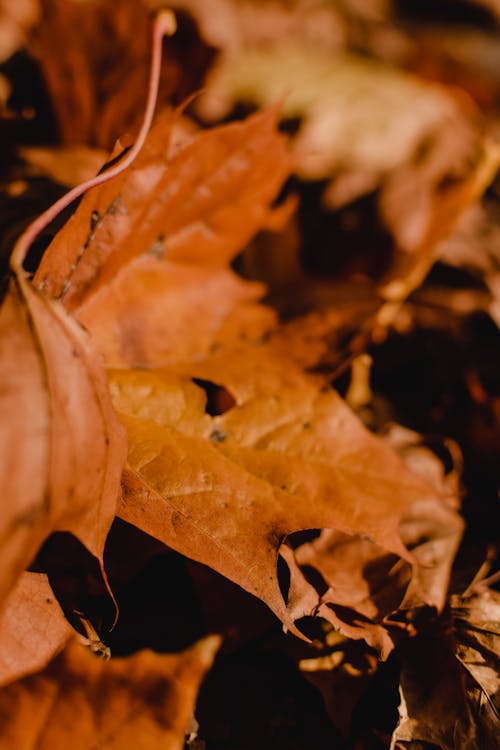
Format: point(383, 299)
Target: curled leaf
point(62, 444)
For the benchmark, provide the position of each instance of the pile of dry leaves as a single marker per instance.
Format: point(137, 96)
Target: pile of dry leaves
point(254, 365)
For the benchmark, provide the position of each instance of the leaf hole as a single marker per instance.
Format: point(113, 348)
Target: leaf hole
point(284, 578)
point(219, 400)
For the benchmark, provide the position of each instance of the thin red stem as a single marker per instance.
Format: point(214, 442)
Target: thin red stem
point(164, 25)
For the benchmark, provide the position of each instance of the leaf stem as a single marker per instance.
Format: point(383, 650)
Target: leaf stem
point(164, 25)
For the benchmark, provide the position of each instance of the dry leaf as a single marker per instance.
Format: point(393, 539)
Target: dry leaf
point(450, 684)
point(98, 79)
point(144, 701)
point(181, 203)
point(135, 304)
point(227, 490)
point(63, 447)
point(477, 631)
point(33, 628)
point(360, 119)
point(68, 166)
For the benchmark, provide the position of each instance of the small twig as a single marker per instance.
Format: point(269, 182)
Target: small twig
point(92, 640)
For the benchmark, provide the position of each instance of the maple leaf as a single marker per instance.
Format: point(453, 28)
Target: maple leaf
point(138, 274)
point(227, 490)
point(143, 701)
point(132, 260)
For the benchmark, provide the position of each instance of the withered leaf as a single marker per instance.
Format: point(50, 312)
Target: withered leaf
point(98, 79)
point(181, 203)
point(227, 490)
point(366, 584)
point(144, 701)
point(449, 681)
point(67, 166)
point(155, 311)
point(33, 628)
point(477, 633)
point(62, 444)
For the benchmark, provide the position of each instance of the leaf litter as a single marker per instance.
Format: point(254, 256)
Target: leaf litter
point(242, 454)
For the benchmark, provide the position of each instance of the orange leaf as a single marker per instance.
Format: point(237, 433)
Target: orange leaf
point(182, 204)
point(33, 628)
point(144, 701)
point(285, 460)
point(63, 447)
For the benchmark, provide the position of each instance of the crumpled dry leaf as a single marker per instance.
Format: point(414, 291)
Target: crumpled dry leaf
point(144, 701)
point(449, 682)
point(433, 706)
point(365, 584)
point(420, 231)
point(33, 628)
point(62, 444)
point(477, 632)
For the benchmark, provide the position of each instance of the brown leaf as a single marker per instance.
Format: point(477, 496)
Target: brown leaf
point(477, 632)
point(63, 447)
point(32, 628)
point(154, 311)
point(98, 79)
point(142, 702)
point(433, 706)
point(80, 76)
point(182, 204)
point(227, 490)
point(450, 678)
point(67, 166)
point(449, 194)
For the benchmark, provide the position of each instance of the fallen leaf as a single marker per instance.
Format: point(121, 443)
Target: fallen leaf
point(360, 118)
point(227, 490)
point(477, 634)
point(144, 701)
point(63, 446)
point(447, 197)
point(242, 455)
point(68, 166)
point(433, 706)
point(100, 46)
point(172, 204)
point(449, 681)
point(33, 628)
